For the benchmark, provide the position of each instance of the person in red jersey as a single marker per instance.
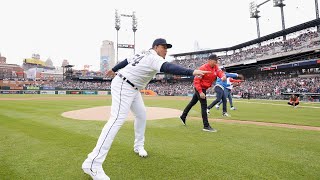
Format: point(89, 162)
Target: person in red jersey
point(201, 84)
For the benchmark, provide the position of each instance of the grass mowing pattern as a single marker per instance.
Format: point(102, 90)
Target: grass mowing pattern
point(37, 143)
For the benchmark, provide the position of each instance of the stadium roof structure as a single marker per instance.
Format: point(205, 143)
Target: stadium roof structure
point(9, 65)
point(68, 66)
point(305, 25)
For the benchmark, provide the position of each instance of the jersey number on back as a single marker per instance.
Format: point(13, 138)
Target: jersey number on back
point(137, 59)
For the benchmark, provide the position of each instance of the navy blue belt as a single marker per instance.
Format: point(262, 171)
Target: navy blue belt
point(127, 80)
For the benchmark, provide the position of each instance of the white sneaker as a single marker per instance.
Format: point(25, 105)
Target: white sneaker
point(208, 111)
point(217, 107)
point(233, 108)
point(142, 152)
point(226, 114)
point(96, 174)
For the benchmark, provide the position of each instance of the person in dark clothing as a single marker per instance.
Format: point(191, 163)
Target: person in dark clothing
point(201, 84)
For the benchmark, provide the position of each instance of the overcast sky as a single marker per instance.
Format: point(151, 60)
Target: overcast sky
point(74, 29)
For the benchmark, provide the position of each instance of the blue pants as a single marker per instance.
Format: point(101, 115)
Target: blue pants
point(221, 96)
point(228, 95)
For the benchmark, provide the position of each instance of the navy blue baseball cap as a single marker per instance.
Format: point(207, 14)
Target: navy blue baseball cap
point(214, 57)
point(161, 41)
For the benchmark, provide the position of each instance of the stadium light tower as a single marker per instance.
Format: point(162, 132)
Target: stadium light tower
point(279, 3)
point(134, 28)
point(317, 14)
point(254, 13)
point(117, 26)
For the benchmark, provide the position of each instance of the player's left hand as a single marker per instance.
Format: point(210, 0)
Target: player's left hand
point(110, 73)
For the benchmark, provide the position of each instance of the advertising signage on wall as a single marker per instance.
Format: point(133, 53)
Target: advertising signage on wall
point(102, 92)
point(32, 88)
point(30, 92)
point(62, 92)
point(48, 88)
point(47, 92)
point(88, 92)
point(34, 61)
point(268, 68)
point(131, 46)
point(297, 64)
point(9, 92)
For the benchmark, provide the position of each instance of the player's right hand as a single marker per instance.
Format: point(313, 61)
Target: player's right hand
point(200, 72)
point(202, 95)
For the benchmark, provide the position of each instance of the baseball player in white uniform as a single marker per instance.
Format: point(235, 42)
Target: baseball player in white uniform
point(132, 75)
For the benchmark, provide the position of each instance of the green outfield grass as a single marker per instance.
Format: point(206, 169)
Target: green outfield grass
point(36, 142)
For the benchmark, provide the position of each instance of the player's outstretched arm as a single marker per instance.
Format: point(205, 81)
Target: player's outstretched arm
point(179, 70)
point(200, 72)
point(120, 65)
point(111, 72)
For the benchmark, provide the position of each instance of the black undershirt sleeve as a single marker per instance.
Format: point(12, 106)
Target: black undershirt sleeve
point(175, 69)
point(120, 65)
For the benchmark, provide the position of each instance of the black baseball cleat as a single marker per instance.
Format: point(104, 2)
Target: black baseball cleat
point(209, 129)
point(183, 120)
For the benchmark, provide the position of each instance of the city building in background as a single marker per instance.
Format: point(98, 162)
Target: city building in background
point(107, 56)
point(49, 63)
point(2, 59)
point(52, 75)
point(36, 69)
point(36, 62)
point(10, 71)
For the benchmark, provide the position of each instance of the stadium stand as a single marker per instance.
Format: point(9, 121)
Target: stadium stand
point(273, 68)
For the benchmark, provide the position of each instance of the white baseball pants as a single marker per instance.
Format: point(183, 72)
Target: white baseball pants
point(124, 98)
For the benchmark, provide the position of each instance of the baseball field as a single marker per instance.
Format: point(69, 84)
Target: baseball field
point(261, 140)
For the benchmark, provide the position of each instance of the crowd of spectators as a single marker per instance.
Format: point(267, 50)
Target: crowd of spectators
point(80, 85)
point(171, 88)
point(271, 87)
point(261, 87)
point(305, 40)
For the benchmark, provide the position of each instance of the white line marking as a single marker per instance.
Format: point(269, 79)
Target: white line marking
point(315, 107)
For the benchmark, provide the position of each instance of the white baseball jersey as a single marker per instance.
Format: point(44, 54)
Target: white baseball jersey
point(141, 68)
point(139, 71)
